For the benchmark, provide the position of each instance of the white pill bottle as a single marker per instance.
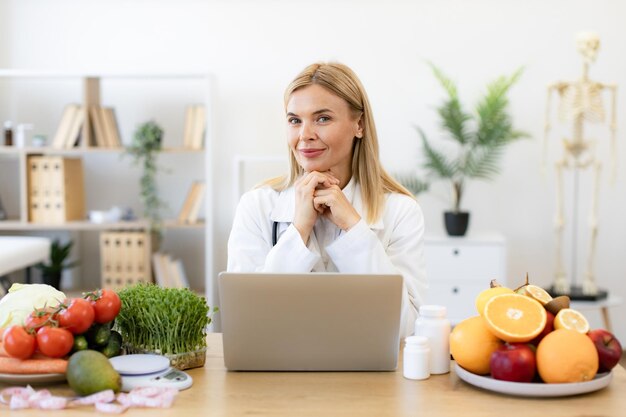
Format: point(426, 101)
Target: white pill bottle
point(415, 360)
point(433, 324)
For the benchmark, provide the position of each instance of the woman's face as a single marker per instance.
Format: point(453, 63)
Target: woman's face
point(321, 128)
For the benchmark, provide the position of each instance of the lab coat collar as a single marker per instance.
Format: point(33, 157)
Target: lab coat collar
point(284, 210)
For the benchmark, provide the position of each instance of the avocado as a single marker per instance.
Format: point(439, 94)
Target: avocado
point(89, 371)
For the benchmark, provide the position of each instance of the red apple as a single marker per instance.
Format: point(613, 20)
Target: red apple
point(547, 329)
point(608, 347)
point(513, 362)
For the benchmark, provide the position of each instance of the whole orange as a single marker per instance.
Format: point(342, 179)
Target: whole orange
point(471, 345)
point(566, 356)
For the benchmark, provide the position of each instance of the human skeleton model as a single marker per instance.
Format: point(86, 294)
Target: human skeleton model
point(580, 102)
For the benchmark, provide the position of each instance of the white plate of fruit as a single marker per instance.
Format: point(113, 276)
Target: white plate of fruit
point(526, 343)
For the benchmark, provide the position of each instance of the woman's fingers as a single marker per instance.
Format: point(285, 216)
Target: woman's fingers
point(333, 203)
point(316, 179)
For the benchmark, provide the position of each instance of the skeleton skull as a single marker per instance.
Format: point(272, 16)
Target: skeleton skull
point(588, 44)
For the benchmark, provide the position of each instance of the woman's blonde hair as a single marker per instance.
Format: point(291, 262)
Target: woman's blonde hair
point(366, 168)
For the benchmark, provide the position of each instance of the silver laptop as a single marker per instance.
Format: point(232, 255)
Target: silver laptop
point(310, 322)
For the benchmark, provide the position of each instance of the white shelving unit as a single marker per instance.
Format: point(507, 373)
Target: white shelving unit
point(38, 97)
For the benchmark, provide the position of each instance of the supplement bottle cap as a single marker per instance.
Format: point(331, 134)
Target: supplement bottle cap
point(418, 341)
point(433, 311)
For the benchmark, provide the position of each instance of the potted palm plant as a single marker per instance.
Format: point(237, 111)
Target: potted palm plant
point(479, 141)
point(52, 271)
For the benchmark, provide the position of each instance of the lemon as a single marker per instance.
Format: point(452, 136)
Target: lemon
point(537, 293)
point(488, 294)
point(570, 319)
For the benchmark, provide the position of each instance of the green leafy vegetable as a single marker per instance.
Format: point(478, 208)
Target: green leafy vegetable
point(164, 320)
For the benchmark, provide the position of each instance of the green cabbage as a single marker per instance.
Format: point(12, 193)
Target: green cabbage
point(22, 299)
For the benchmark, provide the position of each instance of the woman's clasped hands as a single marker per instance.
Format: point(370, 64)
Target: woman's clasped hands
point(320, 194)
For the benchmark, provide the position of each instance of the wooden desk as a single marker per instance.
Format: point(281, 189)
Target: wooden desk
point(217, 392)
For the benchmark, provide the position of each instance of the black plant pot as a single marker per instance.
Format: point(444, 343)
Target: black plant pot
point(456, 222)
point(52, 278)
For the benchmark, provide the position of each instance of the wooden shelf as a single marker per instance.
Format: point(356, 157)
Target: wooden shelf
point(86, 225)
point(11, 150)
point(25, 73)
point(175, 224)
point(196, 88)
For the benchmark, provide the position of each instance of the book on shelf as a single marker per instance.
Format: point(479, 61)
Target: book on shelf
point(68, 131)
point(105, 128)
point(160, 271)
point(195, 125)
point(111, 127)
point(181, 276)
point(74, 134)
point(191, 207)
point(168, 272)
point(97, 126)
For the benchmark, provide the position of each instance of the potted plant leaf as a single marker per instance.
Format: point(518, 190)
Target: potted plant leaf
point(479, 140)
point(52, 271)
point(144, 149)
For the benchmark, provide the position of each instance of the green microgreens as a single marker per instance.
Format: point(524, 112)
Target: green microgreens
point(165, 320)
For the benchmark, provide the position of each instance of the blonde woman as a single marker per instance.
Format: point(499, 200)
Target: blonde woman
point(337, 209)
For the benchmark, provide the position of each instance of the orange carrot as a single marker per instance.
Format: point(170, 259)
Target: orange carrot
point(38, 364)
point(32, 366)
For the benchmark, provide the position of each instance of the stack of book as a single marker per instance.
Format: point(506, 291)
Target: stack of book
point(124, 258)
point(102, 124)
point(55, 189)
point(169, 272)
point(104, 127)
point(69, 131)
point(191, 207)
point(195, 124)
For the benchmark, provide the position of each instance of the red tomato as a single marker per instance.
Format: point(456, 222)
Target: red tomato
point(77, 317)
point(54, 342)
point(39, 318)
point(18, 343)
point(106, 304)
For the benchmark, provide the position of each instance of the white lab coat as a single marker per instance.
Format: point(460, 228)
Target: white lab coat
point(393, 244)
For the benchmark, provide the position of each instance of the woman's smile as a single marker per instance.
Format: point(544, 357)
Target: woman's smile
point(311, 153)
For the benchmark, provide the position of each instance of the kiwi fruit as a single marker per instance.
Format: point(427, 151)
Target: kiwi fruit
point(557, 304)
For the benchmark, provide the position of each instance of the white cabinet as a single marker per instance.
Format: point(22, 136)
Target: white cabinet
point(458, 268)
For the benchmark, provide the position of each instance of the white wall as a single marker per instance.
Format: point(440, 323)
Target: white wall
point(254, 48)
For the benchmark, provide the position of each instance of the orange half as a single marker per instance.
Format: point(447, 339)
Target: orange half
point(514, 318)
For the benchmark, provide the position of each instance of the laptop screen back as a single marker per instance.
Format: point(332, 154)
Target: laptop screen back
point(310, 322)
